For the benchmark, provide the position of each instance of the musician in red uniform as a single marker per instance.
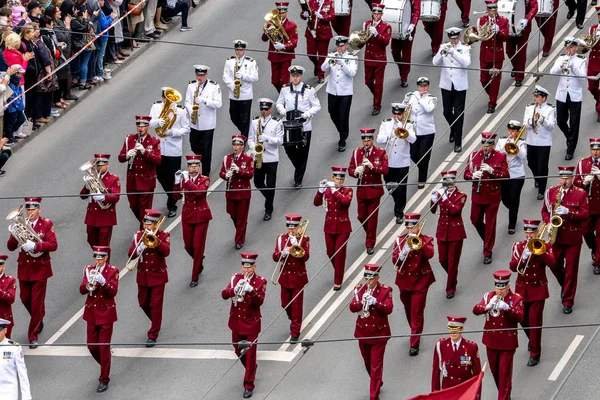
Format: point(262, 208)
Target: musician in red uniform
point(532, 285)
point(413, 276)
point(375, 54)
point(341, 23)
point(33, 272)
point(586, 177)
point(152, 273)
point(336, 199)
point(101, 213)
point(373, 302)
point(516, 46)
point(8, 294)
point(455, 358)
point(318, 32)
point(503, 309)
point(195, 215)
point(547, 26)
point(435, 29)
point(368, 164)
point(293, 276)
point(402, 46)
point(142, 153)
point(247, 293)
point(594, 64)
point(282, 54)
point(100, 283)
point(571, 204)
point(238, 169)
point(450, 232)
point(465, 10)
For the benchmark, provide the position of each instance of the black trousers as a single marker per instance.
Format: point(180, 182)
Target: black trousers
point(339, 111)
point(4, 156)
point(399, 195)
point(201, 143)
point(579, 6)
point(569, 111)
point(511, 198)
point(538, 158)
point(266, 177)
point(454, 105)
point(165, 173)
point(421, 148)
point(298, 155)
point(12, 122)
point(239, 112)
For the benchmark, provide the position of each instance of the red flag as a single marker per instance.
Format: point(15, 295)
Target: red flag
point(468, 390)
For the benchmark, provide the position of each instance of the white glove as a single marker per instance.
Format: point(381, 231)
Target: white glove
point(318, 15)
point(595, 170)
point(160, 122)
point(229, 174)
point(496, 28)
point(279, 46)
point(306, 115)
point(11, 228)
point(367, 163)
point(523, 23)
point(141, 247)
point(285, 252)
point(526, 253)
point(131, 153)
point(293, 240)
point(435, 196)
point(139, 147)
point(562, 210)
point(444, 195)
point(322, 186)
point(28, 246)
point(199, 100)
point(178, 177)
point(305, 14)
point(360, 170)
point(410, 28)
point(98, 197)
point(450, 49)
point(404, 253)
point(502, 305)
point(477, 175)
point(588, 179)
point(239, 285)
point(270, 27)
point(239, 74)
point(234, 167)
point(373, 30)
point(148, 231)
point(485, 167)
point(89, 178)
point(185, 174)
point(331, 184)
point(372, 300)
point(492, 303)
point(100, 279)
point(248, 287)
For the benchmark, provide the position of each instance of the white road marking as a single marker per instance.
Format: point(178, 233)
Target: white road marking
point(562, 363)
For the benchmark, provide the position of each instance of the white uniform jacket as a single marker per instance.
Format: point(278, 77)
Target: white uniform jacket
point(171, 145)
point(422, 112)
point(458, 57)
point(209, 100)
point(308, 102)
point(249, 74)
point(13, 372)
point(542, 134)
point(341, 75)
point(398, 150)
point(571, 83)
point(272, 137)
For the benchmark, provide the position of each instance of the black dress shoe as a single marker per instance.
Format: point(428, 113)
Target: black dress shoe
point(579, 26)
point(294, 339)
point(568, 156)
point(570, 14)
point(403, 84)
point(376, 111)
point(342, 148)
point(320, 80)
point(102, 386)
point(421, 186)
point(540, 196)
point(336, 287)
point(267, 216)
point(34, 344)
point(457, 148)
point(370, 250)
point(533, 362)
point(596, 269)
point(491, 110)
point(487, 260)
point(465, 25)
point(414, 351)
point(399, 220)
point(238, 246)
point(150, 342)
point(518, 83)
point(87, 86)
point(36, 126)
point(247, 393)
point(193, 283)
point(511, 231)
point(567, 310)
point(545, 54)
point(450, 296)
point(172, 213)
point(297, 185)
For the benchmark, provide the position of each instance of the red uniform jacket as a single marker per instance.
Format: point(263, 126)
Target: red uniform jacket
point(455, 366)
point(533, 284)
point(450, 225)
point(324, 31)
point(142, 176)
point(489, 190)
point(376, 46)
point(416, 13)
point(95, 216)
point(240, 179)
point(379, 159)
point(492, 50)
point(584, 167)
point(377, 323)
point(244, 317)
point(195, 208)
point(336, 209)
point(100, 307)
point(292, 32)
point(576, 201)
point(416, 274)
point(594, 57)
point(8, 292)
point(501, 340)
point(152, 267)
point(31, 268)
point(294, 271)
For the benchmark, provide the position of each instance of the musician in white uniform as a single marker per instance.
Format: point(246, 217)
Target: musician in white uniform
point(206, 94)
point(398, 152)
point(244, 69)
point(342, 68)
point(423, 105)
point(569, 93)
point(511, 189)
point(539, 119)
point(13, 372)
point(297, 100)
point(171, 147)
point(269, 129)
point(454, 56)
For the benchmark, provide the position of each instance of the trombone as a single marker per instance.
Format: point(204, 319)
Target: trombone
point(401, 132)
point(414, 242)
point(150, 239)
point(537, 246)
point(295, 251)
point(512, 148)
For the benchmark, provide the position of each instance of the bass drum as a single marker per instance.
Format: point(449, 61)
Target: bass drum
point(545, 8)
point(431, 10)
point(398, 13)
point(514, 11)
point(341, 7)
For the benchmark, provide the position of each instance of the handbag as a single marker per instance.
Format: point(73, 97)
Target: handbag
point(90, 38)
point(135, 11)
point(46, 85)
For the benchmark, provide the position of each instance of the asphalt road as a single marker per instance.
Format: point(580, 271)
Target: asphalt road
point(49, 166)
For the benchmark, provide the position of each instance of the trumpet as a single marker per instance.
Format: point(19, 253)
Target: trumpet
point(94, 182)
point(401, 132)
point(365, 313)
point(565, 67)
point(536, 246)
point(414, 243)
point(92, 277)
point(295, 251)
point(444, 52)
point(150, 239)
point(495, 310)
point(240, 292)
point(333, 61)
point(512, 148)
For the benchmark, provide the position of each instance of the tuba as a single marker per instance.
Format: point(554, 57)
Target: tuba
point(278, 34)
point(483, 33)
point(21, 230)
point(149, 239)
point(512, 148)
point(94, 182)
point(359, 38)
point(401, 132)
point(259, 147)
point(168, 114)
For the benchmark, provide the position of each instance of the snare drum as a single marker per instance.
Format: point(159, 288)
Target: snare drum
point(545, 8)
point(431, 10)
point(341, 8)
point(292, 132)
point(398, 13)
point(514, 11)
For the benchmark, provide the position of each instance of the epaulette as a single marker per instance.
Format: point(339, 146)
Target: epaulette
point(581, 56)
point(193, 82)
point(213, 82)
point(385, 286)
point(532, 104)
point(13, 342)
point(285, 85)
point(578, 188)
point(387, 120)
point(180, 106)
point(113, 267)
point(157, 102)
point(411, 121)
point(231, 57)
point(257, 117)
point(275, 118)
point(249, 58)
point(358, 285)
point(551, 105)
point(309, 87)
point(504, 137)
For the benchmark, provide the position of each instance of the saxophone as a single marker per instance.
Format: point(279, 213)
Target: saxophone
point(259, 147)
point(556, 220)
point(237, 83)
point(195, 107)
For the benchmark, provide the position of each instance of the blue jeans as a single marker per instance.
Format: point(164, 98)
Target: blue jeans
point(181, 7)
point(84, 59)
point(100, 58)
point(92, 66)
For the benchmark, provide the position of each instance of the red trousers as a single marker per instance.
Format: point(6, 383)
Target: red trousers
point(518, 45)
point(484, 77)
point(592, 236)
point(435, 30)
point(449, 255)
point(238, 211)
point(100, 334)
point(294, 310)
point(33, 297)
point(567, 268)
point(366, 207)
point(139, 203)
point(194, 241)
point(402, 53)
point(248, 359)
point(317, 50)
point(547, 28)
point(414, 306)
point(534, 316)
point(487, 229)
point(465, 9)
point(99, 236)
point(341, 25)
point(150, 299)
point(374, 81)
point(280, 74)
point(333, 242)
point(501, 365)
point(594, 88)
point(372, 355)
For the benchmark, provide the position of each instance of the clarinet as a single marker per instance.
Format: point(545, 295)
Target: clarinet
point(138, 140)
